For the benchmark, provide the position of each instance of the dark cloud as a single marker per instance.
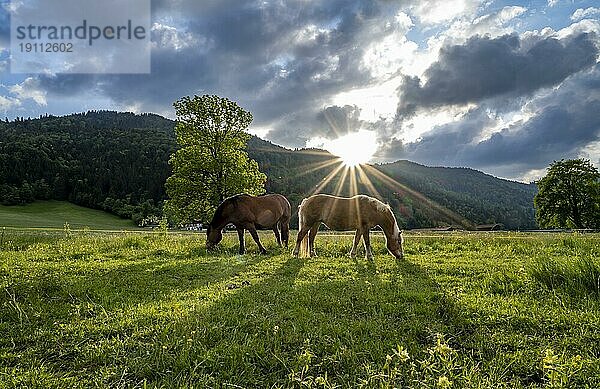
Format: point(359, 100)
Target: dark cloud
point(391, 149)
point(562, 124)
point(484, 68)
point(281, 60)
point(337, 121)
point(332, 122)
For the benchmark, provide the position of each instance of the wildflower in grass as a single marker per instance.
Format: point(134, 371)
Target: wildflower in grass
point(444, 382)
point(402, 354)
point(550, 359)
point(441, 348)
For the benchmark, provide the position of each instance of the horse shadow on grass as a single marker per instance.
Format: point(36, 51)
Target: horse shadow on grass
point(341, 319)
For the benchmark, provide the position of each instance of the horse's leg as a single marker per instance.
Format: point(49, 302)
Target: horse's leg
point(240, 232)
point(277, 236)
point(254, 234)
point(369, 252)
point(311, 239)
point(355, 243)
point(285, 232)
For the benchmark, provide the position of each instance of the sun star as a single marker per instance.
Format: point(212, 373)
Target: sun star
point(355, 148)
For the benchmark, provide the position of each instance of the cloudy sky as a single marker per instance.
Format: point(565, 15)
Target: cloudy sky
point(500, 86)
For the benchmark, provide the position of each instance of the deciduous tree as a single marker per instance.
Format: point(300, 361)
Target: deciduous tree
point(211, 163)
point(569, 195)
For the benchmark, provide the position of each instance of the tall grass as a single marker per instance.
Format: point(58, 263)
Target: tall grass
point(574, 276)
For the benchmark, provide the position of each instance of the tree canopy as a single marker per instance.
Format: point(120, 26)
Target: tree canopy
point(569, 195)
point(211, 163)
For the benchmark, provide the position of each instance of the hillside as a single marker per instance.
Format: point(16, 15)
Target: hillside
point(118, 162)
point(105, 160)
point(476, 196)
point(421, 196)
point(54, 214)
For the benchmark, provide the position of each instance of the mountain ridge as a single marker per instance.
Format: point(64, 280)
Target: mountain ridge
point(97, 158)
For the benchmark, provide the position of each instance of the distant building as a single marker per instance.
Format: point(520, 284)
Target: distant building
point(193, 226)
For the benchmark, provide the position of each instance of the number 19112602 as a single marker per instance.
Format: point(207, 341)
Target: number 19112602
point(46, 47)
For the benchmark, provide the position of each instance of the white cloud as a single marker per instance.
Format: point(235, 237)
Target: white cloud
point(552, 3)
point(424, 122)
point(7, 103)
point(309, 34)
point(592, 152)
point(436, 11)
point(493, 24)
point(165, 36)
point(375, 101)
point(581, 13)
point(532, 175)
point(29, 89)
point(586, 25)
point(386, 57)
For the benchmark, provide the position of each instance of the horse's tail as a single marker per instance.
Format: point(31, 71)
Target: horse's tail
point(284, 220)
point(304, 251)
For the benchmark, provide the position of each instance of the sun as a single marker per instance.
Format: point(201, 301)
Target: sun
point(355, 148)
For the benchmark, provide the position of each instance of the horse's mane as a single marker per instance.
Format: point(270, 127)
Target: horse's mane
point(221, 207)
point(230, 200)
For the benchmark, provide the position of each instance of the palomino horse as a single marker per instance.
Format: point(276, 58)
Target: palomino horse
point(360, 213)
point(245, 212)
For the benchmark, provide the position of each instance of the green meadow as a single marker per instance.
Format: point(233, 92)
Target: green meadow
point(82, 309)
point(54, 214)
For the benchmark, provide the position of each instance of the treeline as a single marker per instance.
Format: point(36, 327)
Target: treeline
point(118, 162)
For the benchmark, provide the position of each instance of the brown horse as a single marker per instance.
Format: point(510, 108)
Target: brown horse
point(360, 213)
point(245, 212)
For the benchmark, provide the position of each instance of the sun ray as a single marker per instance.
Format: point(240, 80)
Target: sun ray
point(317, 152)
point(367, 182)
point(354, 190)
point(327, 179)
point(332, 124)
point(313, 167)
point(393, 184)
point(353, 183)
point(341, 182)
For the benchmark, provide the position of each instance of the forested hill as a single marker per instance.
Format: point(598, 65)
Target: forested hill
point(119, 162)
point(105, 160)
point(421, 196)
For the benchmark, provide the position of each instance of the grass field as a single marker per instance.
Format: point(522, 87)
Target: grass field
point(54, 214)
point(143, 310)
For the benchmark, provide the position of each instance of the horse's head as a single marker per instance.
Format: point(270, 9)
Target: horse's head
point(213, 237)
point(394, 245)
